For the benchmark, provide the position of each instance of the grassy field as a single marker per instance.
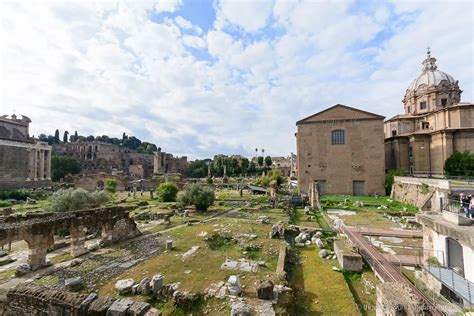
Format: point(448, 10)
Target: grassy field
point(371, 203)
point(205, 264)
point(364, 297)
point(320, 290)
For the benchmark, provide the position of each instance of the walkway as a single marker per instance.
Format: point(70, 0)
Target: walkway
point(404, 260)
point(387, 271)
point(387, 232)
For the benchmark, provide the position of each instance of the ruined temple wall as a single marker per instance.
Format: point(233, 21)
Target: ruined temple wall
point(421, 192)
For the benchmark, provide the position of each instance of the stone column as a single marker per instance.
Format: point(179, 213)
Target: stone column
point(41, 164)
point(78, 237)
point(31, 164)
point(48, 165)
point(35, 164)
point(107, 233)
point(38, 248)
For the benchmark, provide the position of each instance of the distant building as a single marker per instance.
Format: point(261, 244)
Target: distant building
point(283, 164)
point(341, 148)
point(24, 162)
point(167, 163)
point(98, 157)
point(435, 124)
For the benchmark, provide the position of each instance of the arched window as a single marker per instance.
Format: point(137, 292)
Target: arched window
point(337, 137)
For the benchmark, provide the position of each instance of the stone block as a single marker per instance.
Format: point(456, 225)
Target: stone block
point(138, 309)
point(119, 308)
point(157, 283)
point(73, 284)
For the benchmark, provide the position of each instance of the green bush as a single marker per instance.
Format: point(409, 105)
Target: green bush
point(390, 178)
point(111, 185)
point(460, 164)
point(4, 203)
point(167, 192)
point(273, 175)
point(199, 196)
point(20, 194)
point(62, 166)
point(67, 200)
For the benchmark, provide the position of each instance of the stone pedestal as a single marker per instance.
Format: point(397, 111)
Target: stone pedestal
point(78, 237)
point(38, 248)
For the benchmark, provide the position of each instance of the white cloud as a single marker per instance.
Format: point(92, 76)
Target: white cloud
point(106, 67)
point(248, 15)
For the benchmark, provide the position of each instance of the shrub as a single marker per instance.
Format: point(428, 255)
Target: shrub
point(67, 200)
point(4, 203)
point(20, 194)
point(111, 185)
point(390, 178)
point(199, 196)
point(62, 166)
point(460, 164)
point(167, 192)
point(273, 175)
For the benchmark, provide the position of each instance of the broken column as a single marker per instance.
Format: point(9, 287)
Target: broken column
point(78, 237)
point(38, 248)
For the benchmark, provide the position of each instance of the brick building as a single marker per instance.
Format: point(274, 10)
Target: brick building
point(24, 162)
point(434, 125)
point(109, 158)
point(167, 163)
point(342, 149)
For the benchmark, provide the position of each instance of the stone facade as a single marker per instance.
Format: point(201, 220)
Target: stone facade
point(167, 163)
point(38, 229)
point(341, 148)
point(24, 162)
point(435, 124)
point(424, 193)
point(30, 299)
point(283, 164)
point(109, 158)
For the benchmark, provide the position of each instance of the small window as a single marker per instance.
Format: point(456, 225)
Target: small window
point(423, 105)
point(410, 152)
point(425, 125)
point(408, 109)
point(394, 133)
point(337, 137)
point(444, 102)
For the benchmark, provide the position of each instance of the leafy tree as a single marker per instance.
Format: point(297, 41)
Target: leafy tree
point(199, 196)
point(111, 185)
point(167, 192)
point(63, 165)
point(268, 161)
point(273, 175)
point(66, 133)
point(252, 168)
point(198, 169)
point(90, 138)
point(244, 164)
point(66, 200)
point(389, 179)
point(460, 164)
point(260, 161)
point(56, 137)
point(17, 194)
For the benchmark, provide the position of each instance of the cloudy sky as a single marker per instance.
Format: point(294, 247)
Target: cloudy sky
point(203, 77)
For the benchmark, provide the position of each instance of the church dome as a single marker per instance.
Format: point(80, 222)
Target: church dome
point(431, 76)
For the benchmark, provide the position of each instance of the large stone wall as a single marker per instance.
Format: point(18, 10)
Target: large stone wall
point(422, 192)
point(38, 229)
point(30, 299)
point(360, 158)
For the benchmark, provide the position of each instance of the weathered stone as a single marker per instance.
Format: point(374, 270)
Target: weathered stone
point(156, 283)
point(169, 244)
point(119, 308)
point(323, 253)
point(138, 309)
point(318, 242)
point(233, 285)
point(124, 286)
point(73, 284)
point(265, 290)
point(144, 286)
point(240, 309)
point(153, 312)
point(277, 231)
point(87, 302)
point(22, 269)
point(184, 299)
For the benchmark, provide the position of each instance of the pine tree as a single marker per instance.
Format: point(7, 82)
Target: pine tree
point(56, 136)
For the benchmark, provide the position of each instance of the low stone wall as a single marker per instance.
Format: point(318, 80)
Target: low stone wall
point(30, 299)
point(280, 270)
point(422, 192)
point(395, 299)
point(348, 259)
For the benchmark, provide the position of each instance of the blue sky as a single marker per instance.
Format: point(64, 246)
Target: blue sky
point(200, 78)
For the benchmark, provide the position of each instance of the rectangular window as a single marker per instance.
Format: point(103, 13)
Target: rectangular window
point(423, 105)
point(425, 125)
point(337, 137)
point(444, 102)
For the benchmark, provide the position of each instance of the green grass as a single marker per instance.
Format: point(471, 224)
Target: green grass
point(370, 203)
point(61, 258)
point(48, 280)
point(319, 290)
point(7, 274)
point(365, 300)
point(205, 263)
